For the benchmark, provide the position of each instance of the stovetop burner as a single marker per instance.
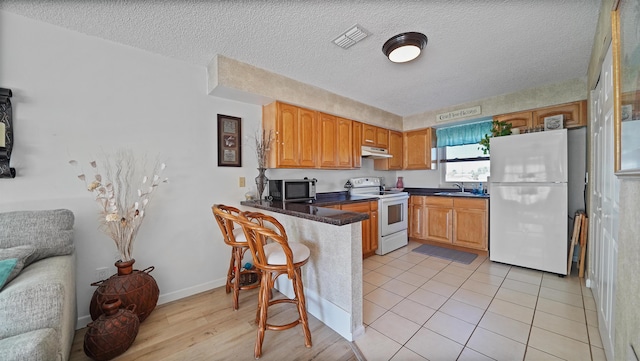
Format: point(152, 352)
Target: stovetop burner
point(370, 186)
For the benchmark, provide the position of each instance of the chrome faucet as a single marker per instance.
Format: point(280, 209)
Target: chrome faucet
point(460, 185)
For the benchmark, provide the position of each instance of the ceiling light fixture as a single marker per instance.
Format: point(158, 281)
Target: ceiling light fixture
point(404, 47)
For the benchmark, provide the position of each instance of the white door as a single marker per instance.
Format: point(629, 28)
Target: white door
point(604, 208)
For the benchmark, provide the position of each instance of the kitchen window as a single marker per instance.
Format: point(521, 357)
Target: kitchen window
point(461, 156)
point(465, 163)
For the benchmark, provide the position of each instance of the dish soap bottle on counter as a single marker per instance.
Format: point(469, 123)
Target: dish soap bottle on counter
point(400, 183)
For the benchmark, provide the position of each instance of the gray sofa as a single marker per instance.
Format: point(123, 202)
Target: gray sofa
point(38, 302)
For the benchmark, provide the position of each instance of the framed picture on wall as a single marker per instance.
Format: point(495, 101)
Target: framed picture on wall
point(229, 141)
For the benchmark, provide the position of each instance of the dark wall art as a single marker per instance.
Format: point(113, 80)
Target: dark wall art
point(229, 141)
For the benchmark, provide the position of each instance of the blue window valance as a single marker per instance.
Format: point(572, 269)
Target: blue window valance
point(463, 134)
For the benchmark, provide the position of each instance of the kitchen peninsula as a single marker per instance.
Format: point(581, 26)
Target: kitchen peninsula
point(333, 277)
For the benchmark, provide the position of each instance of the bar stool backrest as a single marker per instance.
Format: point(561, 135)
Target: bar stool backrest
point(226, 217)
point(260, 228)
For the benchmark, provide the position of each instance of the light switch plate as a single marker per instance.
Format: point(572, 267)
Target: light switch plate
point(242, 182)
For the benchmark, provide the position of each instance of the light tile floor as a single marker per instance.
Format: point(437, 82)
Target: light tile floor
point(418, 307)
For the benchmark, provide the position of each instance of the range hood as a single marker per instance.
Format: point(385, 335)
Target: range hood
point(375, 153)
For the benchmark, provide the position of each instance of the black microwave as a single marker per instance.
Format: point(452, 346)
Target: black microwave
point(288, 190)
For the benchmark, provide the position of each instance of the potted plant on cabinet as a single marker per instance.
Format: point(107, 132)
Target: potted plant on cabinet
point(498, 129)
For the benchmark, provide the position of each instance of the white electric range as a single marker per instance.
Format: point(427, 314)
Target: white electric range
point(393, 208)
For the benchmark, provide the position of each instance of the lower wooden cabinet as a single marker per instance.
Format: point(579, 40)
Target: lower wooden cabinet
point(369, 226)
point(438, 211)
point(470, 223)
point(416, 217)
point(458, 221)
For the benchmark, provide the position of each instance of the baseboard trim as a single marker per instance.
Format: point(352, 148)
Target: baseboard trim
point(333, 316)
point(190, 291)
point(84, 320)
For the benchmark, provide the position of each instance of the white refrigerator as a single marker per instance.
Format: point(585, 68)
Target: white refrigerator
point(528, 206)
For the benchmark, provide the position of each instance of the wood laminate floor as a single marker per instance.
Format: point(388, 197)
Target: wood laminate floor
point(205, 327)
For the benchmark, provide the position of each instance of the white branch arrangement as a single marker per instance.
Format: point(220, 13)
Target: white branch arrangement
point(123, 194)
point(263, 146)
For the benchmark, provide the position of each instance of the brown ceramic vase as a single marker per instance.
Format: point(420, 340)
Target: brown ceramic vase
point(112, 333)
point(132, 287)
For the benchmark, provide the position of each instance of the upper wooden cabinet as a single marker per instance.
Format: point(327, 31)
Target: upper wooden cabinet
point(295, 130)
point(357, 144)
point(382, 137)
point(396, 150)
point(417, 148)
point(335, 146)
point(574, 115)
point(345, 143)
point(375, 136)
point(307, 138)
point(520, 120)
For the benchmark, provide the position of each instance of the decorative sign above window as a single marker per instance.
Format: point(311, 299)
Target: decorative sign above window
point(458, 114)
point(6, 134)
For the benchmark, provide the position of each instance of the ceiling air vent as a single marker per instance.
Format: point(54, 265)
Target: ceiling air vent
point(350, 37)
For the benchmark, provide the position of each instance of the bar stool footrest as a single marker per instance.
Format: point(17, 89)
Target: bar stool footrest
point(283, 327)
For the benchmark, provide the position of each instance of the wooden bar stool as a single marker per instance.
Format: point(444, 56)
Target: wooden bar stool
point(227, 218)
point(275, 258)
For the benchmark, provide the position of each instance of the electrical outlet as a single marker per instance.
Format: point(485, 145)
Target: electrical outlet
point(242, 182)
point(102, 273)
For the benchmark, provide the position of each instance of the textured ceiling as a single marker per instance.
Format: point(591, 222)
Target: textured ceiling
point(477, 49)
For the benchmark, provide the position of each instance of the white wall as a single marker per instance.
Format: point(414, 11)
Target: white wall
point(577, 141)
point(421, 178)
point(75, 96)
point(331, 180)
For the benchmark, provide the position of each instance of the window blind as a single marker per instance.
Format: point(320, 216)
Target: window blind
point(463, 134)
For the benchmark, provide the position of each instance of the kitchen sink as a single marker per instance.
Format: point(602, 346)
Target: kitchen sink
point(459, 194)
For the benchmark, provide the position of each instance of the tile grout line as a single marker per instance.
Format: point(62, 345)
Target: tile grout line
point(450, 298)
point(501, 286)
point(458, 288)
point(483, 313)
point(403, 345)
point(535, 308)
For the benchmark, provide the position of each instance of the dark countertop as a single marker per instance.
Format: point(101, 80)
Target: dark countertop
point(316, 210)
point(428, 191)
point(335, 198)
point(433, 191)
